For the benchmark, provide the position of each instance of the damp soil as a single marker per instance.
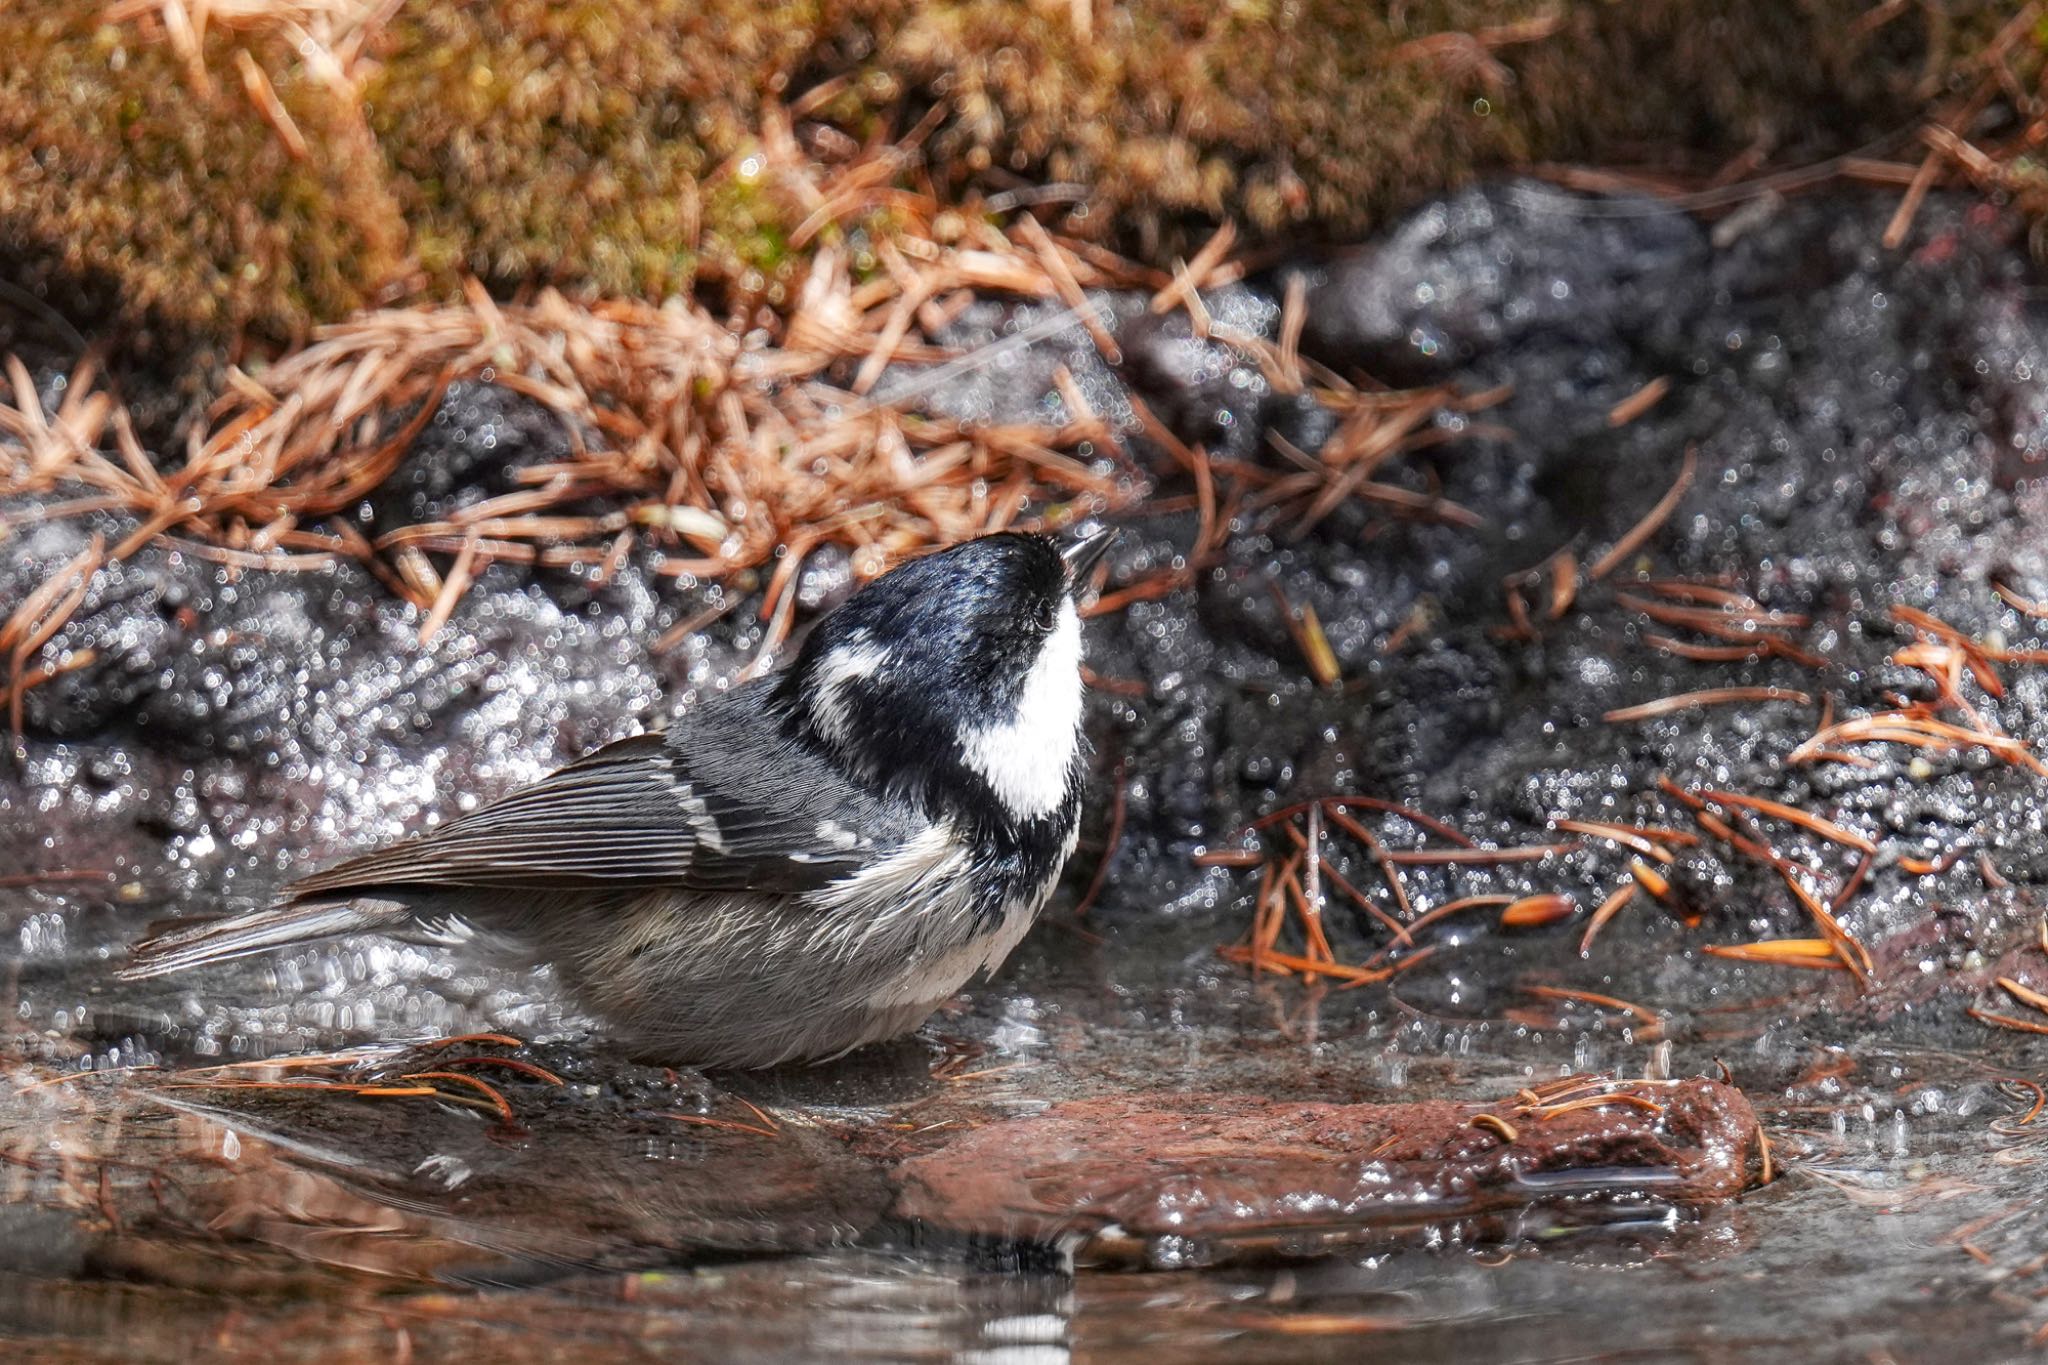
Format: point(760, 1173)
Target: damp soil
point(1127, 1143)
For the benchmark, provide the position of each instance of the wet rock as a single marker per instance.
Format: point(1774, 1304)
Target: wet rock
point(1223, 1174)
point(475, 446)
point(1500, 266)
point(1868, 435)
point(214, 716)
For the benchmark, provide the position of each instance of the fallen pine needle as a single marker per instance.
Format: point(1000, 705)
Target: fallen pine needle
point(1229, 857)
point(1609, 908)
point(1315, 1324)
point(1932, 867)
point(1848, 947)
point(1527, 853)
point(1334, 803)
point(1307, 630)
point(1112, 841)
point(2006, 1021)
point(1652, 520)
point(1650, 1018)
point(1639, 402)
point(1783, 952)
point(729, 1125)
point(512, 1064)
point(501, 1039)
point(1496, 1124)
point(2025, 606)
point(1711, 696)
point(1431, 916)
point(1741, 625)
point(1362, 976)
point(1825, 828)
point(1650, 879)
point(2024, 994)
point(1601, 1101)
point(1917, 730)
point(489, 1091)
point(1532, 912)
point(2027, 1087)
point(1564, 583)
point(1620, 834)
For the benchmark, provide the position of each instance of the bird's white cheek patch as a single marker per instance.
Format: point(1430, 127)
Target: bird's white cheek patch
point(1025, 760)
point(848, 663)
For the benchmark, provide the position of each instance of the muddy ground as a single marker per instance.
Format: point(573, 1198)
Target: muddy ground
point(1868, 429)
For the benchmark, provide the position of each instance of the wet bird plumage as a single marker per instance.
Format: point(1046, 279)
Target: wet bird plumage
point(799, 866)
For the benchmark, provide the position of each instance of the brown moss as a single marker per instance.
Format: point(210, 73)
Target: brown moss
point(111, 166)
point(1799, 77)
point(1276, 114)
point(1324, 114)
point(600, 146)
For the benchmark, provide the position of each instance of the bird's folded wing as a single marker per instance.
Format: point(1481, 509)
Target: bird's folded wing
point(642, 813)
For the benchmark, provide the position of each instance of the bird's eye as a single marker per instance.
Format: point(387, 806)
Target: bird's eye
point(1047, 616)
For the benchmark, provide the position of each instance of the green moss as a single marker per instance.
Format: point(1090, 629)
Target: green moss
point(602, 146)
point(536, 138)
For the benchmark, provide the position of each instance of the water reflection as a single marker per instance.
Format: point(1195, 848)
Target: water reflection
point(334, 1196)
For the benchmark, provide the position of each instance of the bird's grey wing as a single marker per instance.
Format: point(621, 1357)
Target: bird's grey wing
point(758, 812)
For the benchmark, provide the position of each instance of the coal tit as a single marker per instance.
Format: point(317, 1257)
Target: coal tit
point(801, 865)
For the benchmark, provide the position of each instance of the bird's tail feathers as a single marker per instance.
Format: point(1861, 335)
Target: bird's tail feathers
point(258, 931)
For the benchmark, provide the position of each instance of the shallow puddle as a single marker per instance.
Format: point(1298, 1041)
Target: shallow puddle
point(354, 1195)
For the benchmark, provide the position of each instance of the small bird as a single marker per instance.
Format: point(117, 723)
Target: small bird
point(802, 865)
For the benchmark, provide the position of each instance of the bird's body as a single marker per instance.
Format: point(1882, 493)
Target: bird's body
point(801, 865)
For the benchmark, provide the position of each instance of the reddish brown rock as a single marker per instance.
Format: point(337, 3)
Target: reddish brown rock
point(1229, 1167)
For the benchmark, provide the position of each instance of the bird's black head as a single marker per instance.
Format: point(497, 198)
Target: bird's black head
point(955, 679)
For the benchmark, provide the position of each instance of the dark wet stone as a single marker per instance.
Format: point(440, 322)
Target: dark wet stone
point(1500, 266)
point(477, 444)
point(261, 717)
point(1863, 421)
point(1208, 393)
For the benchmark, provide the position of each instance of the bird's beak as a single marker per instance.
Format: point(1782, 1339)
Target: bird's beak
point(1081, 557)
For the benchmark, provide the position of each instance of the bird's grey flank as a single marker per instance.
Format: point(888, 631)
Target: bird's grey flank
point(802, 865)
